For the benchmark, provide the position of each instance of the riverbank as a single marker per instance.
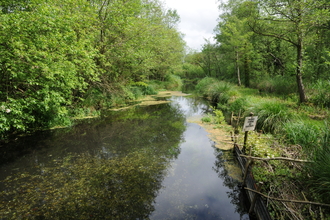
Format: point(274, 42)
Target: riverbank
point(284, 129)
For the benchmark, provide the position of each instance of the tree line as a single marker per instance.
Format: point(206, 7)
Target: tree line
point(275, 46)
point(61, 57)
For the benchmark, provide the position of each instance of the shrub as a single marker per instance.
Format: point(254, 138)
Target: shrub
point(141, 88)
point(239, 105)
point(174, 82)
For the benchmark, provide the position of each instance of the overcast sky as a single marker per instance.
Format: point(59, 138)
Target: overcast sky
point(198, 19)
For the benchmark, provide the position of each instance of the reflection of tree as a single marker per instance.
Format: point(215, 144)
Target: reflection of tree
point(236, 194)
point(115, 171)
point(85, 186)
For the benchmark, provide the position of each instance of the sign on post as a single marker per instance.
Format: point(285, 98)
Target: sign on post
point(250, 123)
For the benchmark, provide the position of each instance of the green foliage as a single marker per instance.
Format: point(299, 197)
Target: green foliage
point(272, 115)
point(173, 82)
point(305, 134)
point(260, 145)
point(192, 71)
point(219, 92)
point(320, 181)
point(279, 85)
point(319, 93)
point(141, 88)
point(215, 118)
point(207, 119)
point(239, 105)
point(219, 118)
point(61, 57)
point(203, 85)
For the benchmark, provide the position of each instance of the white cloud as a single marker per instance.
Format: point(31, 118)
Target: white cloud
point(198, 19)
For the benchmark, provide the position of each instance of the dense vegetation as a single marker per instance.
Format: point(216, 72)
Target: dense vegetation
point(272, 58)
point(59, 59)
point(275, 46)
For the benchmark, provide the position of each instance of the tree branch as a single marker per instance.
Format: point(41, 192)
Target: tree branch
point(288, 200)
point(276, 158)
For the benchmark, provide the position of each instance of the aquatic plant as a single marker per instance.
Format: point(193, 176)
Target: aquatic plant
point(86, 187)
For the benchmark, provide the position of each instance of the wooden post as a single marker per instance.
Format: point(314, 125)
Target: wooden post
point(247, 166)
point(254, 200)
point(245, 140)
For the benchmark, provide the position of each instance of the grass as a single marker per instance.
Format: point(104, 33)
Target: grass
point(290, 130)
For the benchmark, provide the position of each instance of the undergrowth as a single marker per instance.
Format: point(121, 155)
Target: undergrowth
point(285, 129)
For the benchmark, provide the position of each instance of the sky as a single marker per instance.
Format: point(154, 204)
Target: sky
point(198, 19)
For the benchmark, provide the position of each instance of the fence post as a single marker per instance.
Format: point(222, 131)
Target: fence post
point(254, 200)
point(247, 167)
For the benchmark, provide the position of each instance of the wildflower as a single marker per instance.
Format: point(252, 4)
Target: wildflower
point(8, 110)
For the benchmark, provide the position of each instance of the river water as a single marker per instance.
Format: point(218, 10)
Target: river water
point(146, 162)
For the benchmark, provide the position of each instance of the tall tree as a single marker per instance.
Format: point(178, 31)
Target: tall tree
point(293, 21)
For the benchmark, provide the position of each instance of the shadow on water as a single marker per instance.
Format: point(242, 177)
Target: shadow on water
point(141, 163)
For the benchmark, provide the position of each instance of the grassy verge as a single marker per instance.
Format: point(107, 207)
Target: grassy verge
point(284, 129)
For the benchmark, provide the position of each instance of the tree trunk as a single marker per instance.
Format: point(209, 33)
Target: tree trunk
point(246, 71)
point(301, 88)
point(237, 70)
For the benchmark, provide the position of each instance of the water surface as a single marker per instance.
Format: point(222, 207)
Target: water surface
point(142, 163)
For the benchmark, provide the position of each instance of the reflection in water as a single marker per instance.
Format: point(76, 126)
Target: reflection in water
point(141, 163)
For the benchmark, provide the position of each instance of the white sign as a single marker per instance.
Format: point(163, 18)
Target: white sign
point(250, 123)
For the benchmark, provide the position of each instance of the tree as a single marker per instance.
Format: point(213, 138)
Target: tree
point(46, 62)
point(293, 21)
point(234, 36)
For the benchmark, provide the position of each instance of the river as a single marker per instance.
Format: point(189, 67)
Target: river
point(146, 162)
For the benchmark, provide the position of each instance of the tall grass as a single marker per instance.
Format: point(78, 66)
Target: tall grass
point(219, 92)
point(280, 85)
point(319, 93)
point(203, 85)
point(320, 181)
point(272, 115)
point(305, 134)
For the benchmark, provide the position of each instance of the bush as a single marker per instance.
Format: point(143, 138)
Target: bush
point(239, 105)
point(174, 82)
point(141, 88)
